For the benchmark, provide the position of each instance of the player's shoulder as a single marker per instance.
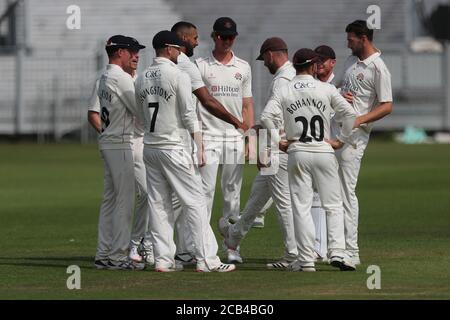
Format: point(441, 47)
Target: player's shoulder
point(379, 65)
point(203, 60)
point(242, 64)
point(241, 61)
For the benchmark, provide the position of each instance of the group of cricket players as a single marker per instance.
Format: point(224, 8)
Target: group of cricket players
point(166, 133)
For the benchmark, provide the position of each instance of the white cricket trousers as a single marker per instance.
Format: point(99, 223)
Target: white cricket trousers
point(320, 222)
point(116, 212)
point(349, 159)
point(231, 156)
point(264, 187)
point(142, 210)
point(320, 169)
point(171, 171)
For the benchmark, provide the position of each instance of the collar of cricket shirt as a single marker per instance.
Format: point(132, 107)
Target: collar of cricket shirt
point(163, 60)
point(371, 58)
point(286, 65)
point(232, 62)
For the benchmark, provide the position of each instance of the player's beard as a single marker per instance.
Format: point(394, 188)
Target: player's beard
point(189, 50)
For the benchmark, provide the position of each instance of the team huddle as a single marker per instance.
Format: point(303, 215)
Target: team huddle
point(165, 133)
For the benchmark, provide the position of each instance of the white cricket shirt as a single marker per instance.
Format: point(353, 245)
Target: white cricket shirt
point(229, 84)
point(94, 105)
point(186, 65)
point(369, 81)
point(306, 105)
point(117, 108)
point(164, 98)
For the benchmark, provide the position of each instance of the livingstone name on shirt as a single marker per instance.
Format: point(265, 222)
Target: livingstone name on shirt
point(155, 90)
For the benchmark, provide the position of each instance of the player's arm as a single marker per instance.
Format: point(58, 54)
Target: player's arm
point(379, 112)
point(271, 115)
point(140, 118)
point(126, 93)
point(383, 90)
point(188, 114)
point(347, 116)
point(94, 109)
point(217, 109)
point(248, 113)
point(94, 120)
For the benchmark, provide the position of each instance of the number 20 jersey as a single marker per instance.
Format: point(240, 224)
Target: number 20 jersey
point(306, 105)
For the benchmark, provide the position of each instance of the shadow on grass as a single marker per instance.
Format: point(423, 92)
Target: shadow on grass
point(48, 262)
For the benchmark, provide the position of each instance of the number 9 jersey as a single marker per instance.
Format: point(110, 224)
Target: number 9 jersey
point(305, 106)
point(164, 99)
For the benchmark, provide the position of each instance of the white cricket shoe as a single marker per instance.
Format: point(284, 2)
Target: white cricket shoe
point(145, 250)
point(296, 266)
point(278, 265)
point(134, 254)
point(125, 265)
point(320, 258)
point(234, 256)
point(185, 259)
point(223, 267)
point(344, 264)
point(259, 222)
point(355, 259)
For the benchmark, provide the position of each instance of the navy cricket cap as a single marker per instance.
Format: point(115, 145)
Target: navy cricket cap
point(225, 26)
point(166, 38)
point(325, 52)
point(120, 41)
point(304, 57)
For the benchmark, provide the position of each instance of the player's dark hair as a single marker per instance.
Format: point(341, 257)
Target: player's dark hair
point(182, 27)
point(360, 28)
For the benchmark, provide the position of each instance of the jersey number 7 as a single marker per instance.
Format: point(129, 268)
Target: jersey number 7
point(154, 105)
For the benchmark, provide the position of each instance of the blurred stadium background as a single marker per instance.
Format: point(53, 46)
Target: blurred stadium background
point(47, 70)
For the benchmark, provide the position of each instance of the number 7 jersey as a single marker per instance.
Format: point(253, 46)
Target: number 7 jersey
point(164, 99)
point(305, 106)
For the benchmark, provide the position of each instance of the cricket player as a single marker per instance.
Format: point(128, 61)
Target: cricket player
point(306, 104)
point(325, 66)
point(366, 84)
point(228, 79)
point(187, 32)
point(118, 108)
point(139, 248)
point(274, 185)
point(164, 97)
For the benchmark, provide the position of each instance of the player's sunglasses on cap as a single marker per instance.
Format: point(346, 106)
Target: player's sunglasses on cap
point(120, 41)
point(167, 38)
point(305, 56)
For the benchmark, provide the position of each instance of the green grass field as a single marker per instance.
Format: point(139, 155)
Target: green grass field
point(50, 196)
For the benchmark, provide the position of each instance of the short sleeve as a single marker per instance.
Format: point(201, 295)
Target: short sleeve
point(94, 101)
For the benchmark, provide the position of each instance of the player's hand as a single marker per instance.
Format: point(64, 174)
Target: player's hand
point(257, 127)
point(242, 128)
point(335, 144)
point(263, 161)
point(357, 123)
point(201, 158)
point(283, 145)
point(348, 96)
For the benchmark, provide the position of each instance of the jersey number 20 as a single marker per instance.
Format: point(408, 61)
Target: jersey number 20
point(316, 120)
